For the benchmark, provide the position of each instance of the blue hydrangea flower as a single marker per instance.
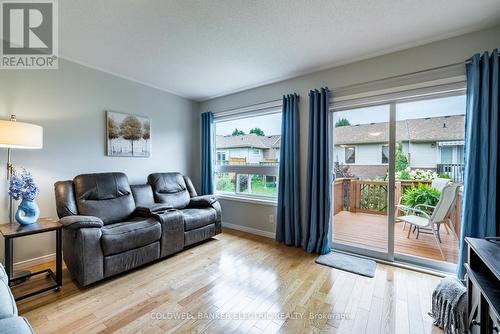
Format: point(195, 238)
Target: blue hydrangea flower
point(22, 185)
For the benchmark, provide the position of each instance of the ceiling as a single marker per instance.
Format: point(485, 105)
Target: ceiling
point(206, 48)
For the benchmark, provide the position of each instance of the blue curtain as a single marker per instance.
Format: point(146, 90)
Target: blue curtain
point(288, 227)
point(318, 196)
point(480, 216)
point(207, 161)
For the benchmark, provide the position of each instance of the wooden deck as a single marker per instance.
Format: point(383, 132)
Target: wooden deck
point(370, 231)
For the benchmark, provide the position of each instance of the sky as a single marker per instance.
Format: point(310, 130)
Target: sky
point(454, 105)
point(271, 124)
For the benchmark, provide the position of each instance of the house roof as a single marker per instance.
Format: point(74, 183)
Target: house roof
point(431, 129)
point(249, 140)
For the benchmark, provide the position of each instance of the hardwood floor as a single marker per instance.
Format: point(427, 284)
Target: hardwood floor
point(370, 231)
point(237, 278)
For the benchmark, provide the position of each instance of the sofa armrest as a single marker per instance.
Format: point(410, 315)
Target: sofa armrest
point(150, 210)
point(204, 201)
point(82, 253)
point(209, 201)
point(76, 222)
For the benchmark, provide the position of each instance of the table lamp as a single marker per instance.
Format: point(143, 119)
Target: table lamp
point(18, 135)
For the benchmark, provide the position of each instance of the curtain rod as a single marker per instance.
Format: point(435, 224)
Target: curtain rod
point(469, 60)
point(260, 105)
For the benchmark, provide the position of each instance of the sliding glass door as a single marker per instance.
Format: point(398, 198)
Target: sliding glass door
point(430, 142)
point(391, 160)
point(360, 193)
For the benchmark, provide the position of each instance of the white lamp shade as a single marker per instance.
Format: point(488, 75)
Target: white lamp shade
point(20, 135)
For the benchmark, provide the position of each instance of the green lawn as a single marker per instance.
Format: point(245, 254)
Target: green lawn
point(227, 183)
point(259, 189)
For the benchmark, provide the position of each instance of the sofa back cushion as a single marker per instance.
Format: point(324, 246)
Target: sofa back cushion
point(170, 189)
point(104, 195)
point(143, 195)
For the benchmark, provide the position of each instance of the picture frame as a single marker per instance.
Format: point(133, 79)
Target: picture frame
point(127, 135)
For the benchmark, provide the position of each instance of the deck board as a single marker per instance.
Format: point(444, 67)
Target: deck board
point(370, 231)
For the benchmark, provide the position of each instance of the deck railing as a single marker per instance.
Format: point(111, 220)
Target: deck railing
point(372, 196)
point(454, 171)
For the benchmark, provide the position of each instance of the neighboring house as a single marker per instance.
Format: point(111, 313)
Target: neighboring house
point(434, 143)
point(248, 149)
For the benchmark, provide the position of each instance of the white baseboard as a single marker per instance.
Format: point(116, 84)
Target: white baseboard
point(23, 265)
point(251, 230)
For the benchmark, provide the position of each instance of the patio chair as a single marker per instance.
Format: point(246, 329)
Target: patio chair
point(438, 184)
point(419, 218)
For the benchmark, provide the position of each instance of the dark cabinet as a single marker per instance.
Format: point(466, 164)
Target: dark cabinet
point(483, 286)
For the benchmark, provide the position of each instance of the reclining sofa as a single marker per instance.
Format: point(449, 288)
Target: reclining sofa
point(110, 226)
point(10, 321)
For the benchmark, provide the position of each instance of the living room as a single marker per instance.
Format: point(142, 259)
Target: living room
point(236, 166)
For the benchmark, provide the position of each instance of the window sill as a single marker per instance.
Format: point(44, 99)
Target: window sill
point(247, 199)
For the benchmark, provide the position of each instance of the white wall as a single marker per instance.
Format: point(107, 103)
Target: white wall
point(70, 104)
point(365, 154)
point(423, 155)
point(432, 55)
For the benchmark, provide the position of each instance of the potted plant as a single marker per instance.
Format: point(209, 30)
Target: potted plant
point(422, 194)
point(22, 186)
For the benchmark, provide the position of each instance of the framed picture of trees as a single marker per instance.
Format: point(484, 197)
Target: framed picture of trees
point(127, 135)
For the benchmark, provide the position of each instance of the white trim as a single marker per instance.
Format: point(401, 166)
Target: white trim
point(377, 98)
point(250, 230)
point(443, 75)
point(247, 199)
point(27, 264)
point(251, 169)
point(259, 109)
point(402, 88)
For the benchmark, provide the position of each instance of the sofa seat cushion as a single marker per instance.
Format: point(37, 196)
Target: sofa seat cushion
point(134, 233)
point(200, 217)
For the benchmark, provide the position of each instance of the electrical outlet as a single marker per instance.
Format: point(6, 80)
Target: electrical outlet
point(271, 219)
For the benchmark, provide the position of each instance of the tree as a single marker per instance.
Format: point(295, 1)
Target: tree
point(401, 160)
point(131, 129)
point(237, 132)
point(146, 131)
point(113, 131)
point(342, 122)
point(342, 171)
point(257, 131)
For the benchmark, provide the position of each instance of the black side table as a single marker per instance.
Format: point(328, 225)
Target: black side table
point(12, 231)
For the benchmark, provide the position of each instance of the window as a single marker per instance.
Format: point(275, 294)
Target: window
point(350, 154)
point(221, 157)
point(446, 154)
point(248, 164)
point(385, 154)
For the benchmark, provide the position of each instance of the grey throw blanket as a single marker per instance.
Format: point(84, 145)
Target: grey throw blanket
point(449, 306)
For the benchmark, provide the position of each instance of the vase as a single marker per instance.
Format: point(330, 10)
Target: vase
point(27, 212)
